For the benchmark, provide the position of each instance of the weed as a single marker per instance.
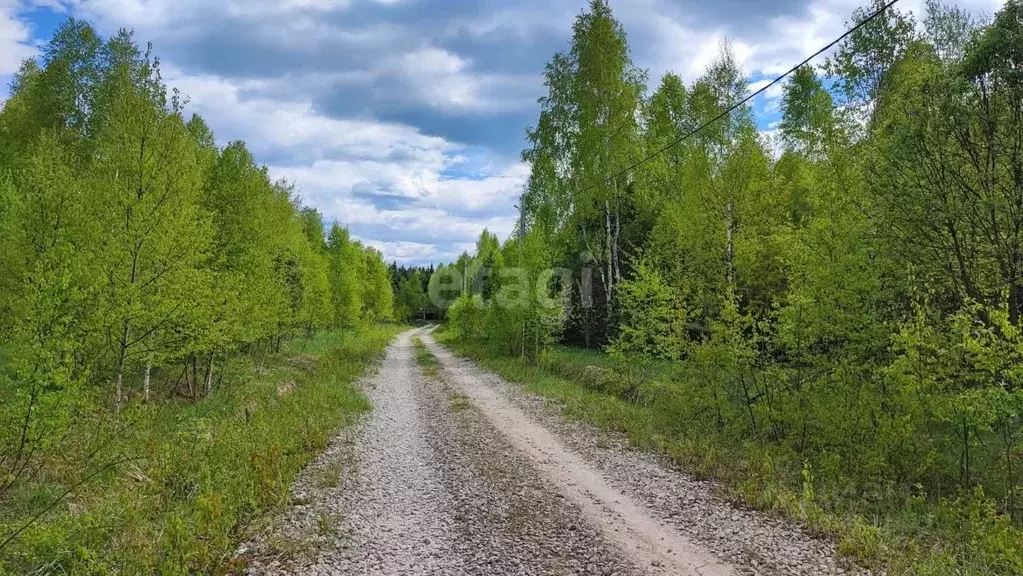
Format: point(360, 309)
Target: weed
point(459, 402)
point(426, 360)
point(330, 476)
point(289, 550)
point(325, 524)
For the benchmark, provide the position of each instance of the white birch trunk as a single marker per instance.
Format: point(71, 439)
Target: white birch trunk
point(729, 225)
point(208, 385)
point(120, 386)
point(145, 381)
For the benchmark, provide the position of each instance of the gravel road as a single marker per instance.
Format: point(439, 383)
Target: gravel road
point(467, 474)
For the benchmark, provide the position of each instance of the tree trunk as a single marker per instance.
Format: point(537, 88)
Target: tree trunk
point(121, 357)
point(616, 248)
point(208, 385)
point(145, 381)
point(609, 284)
point(120, 387)
point(729, 225)
point(1015, 289)
point(194, 381)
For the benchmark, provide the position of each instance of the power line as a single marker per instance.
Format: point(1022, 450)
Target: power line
point(742, 102)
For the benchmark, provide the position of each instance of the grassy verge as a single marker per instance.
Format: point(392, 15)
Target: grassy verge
point(199, 473)
point(962, 536)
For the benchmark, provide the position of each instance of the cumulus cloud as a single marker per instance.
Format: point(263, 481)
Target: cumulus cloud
point(388, 182)
point(16, 43)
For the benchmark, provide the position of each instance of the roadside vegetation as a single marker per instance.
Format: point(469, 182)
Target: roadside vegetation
point(826, 319)
point(199, 473)
point(156, 295)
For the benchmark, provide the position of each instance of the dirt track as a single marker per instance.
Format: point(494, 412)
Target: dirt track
point(466, 474)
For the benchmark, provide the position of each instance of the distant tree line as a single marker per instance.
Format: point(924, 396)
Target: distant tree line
point(411, 300)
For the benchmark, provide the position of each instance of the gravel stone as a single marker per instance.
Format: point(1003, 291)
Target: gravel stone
point(427, 483)
point(751, 541)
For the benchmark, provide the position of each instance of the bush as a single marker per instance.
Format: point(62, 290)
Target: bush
point(466, 316)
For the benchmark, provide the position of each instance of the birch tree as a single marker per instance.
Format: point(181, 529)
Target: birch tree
point(146, 187)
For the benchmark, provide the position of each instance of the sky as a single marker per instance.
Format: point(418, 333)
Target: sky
point(404, 119)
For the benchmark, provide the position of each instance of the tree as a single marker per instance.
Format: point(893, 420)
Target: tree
point(146, 185)
point(377, 297)
point(651, 325)
point(347, 265)
point(808, 121)
point(865, 56)
point(587, 131)
point(46, 298)
point(312, 227)
point(133, 248)
point(949, 28)
point(445, 286)
point(944, 171)
point(411, 299)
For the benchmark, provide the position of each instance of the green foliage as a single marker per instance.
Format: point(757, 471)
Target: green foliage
point(863, 58)
point(46, 296)
point(834, 331)
point(377, 298)
point(466, 316)
point(203, 471)
point(411, 299)
point(139, 261)
point(347, 270)
point(513, 301)
point(650, 322)
point(588, 128)
point(445, 286)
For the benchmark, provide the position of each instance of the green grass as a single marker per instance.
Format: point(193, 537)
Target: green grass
point(459, 402)
point(963, 536)
point(204, 473)
point(329, 477)
point(326, 524)
point(431, 369)
point(426, 360)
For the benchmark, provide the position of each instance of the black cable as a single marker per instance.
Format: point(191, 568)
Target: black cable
point(693, 132)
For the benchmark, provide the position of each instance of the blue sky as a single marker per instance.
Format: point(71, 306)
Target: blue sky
point(404, 119)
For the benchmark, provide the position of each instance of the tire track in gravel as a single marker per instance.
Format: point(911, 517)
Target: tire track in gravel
point(642, 490)
point(430, 486)
point(646, 541)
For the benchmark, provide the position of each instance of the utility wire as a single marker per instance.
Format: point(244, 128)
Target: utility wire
point(742, 102)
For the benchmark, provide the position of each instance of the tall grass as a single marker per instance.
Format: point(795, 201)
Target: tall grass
point(194, 474)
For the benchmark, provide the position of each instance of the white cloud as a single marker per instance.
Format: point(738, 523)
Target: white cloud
point(351, 168)
point(296, 125)
point(16, 42)
point(442, 78)
point(771, 48)
point(150, 14)
point(775, 91)
point(415, 252)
